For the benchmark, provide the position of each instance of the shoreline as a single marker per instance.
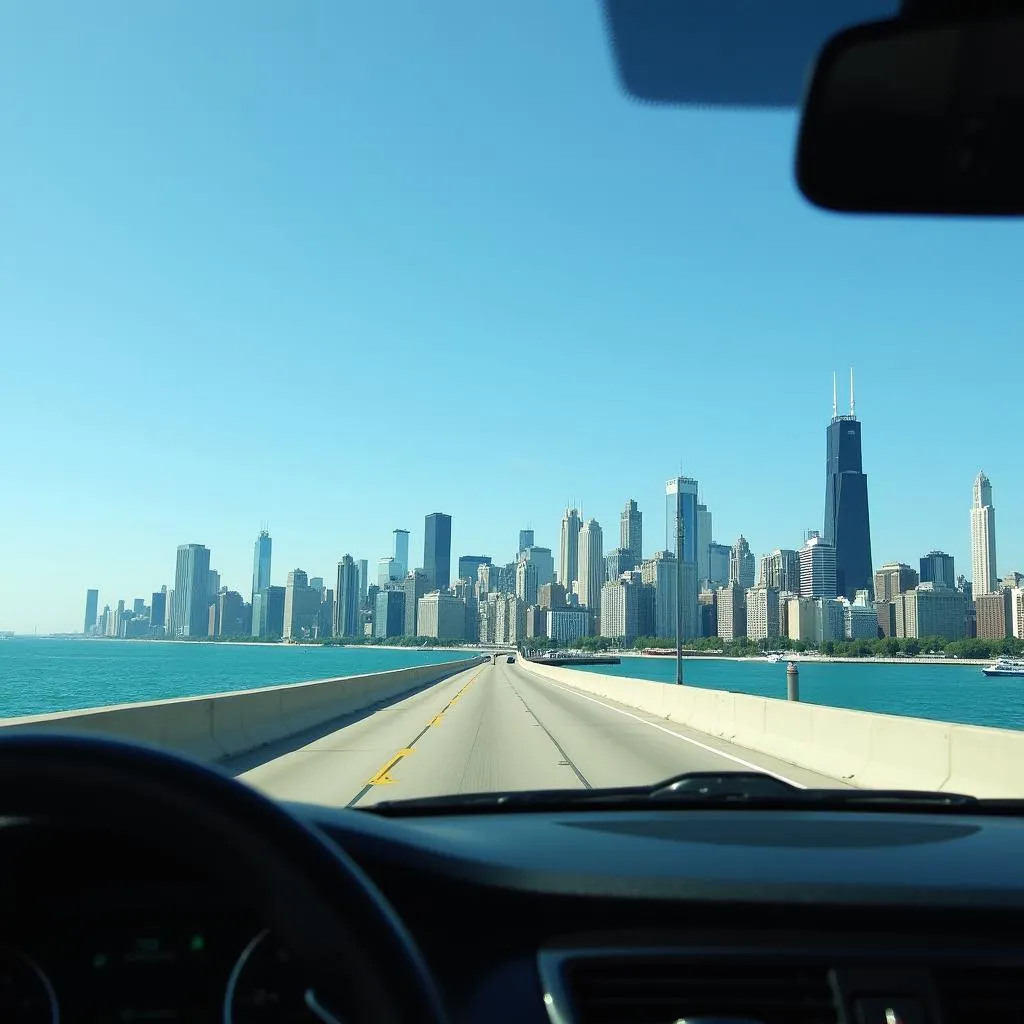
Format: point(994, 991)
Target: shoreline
point(813, 659)
point(273, 644)
point(790, 656)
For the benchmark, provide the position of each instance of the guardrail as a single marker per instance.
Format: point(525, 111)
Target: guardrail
point(862, 748)
point(224, 725)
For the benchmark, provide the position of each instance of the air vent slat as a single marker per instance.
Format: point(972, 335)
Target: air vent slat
point(640, 990)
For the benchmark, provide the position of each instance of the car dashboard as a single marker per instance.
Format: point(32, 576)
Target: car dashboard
point(574, 917)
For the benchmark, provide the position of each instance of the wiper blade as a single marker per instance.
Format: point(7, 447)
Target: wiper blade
point(693, 789)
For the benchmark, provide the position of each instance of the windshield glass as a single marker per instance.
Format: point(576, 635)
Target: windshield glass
point(399, 341)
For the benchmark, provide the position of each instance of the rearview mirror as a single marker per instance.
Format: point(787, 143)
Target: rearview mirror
point(917, 118)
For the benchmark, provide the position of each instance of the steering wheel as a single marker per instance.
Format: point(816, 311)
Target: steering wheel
point(315, 899)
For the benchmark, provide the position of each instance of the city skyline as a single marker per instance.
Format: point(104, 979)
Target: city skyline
point(194, 563)
point(615, 589)
point(845, 482)
point(229, 559)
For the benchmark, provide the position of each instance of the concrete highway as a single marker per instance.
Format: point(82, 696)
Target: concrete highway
point(493, 727)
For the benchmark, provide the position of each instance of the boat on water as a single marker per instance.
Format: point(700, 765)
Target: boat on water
point(1005, 667)
point(773, 657)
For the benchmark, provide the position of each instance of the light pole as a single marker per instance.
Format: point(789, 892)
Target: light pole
point(679, 586)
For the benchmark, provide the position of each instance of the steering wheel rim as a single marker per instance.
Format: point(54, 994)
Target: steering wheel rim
point(311, 894)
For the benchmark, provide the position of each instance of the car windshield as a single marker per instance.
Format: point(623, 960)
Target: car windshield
point(388, 390)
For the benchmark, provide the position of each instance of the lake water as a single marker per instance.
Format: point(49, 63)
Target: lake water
point(947, 693)
point(42, 675)
point(37, 676)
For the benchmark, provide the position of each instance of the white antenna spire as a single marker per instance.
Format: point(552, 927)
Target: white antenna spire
point(853, 408)
point(835, 408)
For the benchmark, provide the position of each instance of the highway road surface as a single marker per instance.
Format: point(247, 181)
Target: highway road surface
point(493, 727)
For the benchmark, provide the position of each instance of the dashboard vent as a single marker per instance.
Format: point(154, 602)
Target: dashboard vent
point(994, 995)
point(662, 990)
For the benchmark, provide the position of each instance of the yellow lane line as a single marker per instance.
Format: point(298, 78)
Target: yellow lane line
point(439, 717)
point(382, 777)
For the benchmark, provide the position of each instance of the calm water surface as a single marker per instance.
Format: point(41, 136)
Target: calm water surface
point(947, 693)
point(37, 676)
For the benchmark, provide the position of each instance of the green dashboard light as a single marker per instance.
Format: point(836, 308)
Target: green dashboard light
point(198, 944)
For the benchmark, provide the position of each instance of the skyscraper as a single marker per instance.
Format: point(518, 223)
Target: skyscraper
point(591, 565)
point(525, 541)
point(847, 525)
point(631, 532)
point(681, 501)
point(192, 591)
point(526, 581)
point(983, 538)
point(719, 557)
point(261, 564)
point(542, 559)
point(569, 549)
point(437, 550)
point(659, 572)
point(158, 609)
point(415, 586)
point(938, 567)
point(781, 570)
point(401, 553)
point(364, 579)
point(681, 497)
point(301, 606)
point(741, 564)
point(468, 566)
point(704, 538)
point(616, 562)
point(346, 598)
point(389, 613)
point(818, 568)
point(92, 600)
point(385, 571)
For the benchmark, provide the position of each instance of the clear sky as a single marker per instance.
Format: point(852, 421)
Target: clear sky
point(333, 266)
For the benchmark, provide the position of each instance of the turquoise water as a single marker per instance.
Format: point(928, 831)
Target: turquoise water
point(947, 693)
point(38, 676)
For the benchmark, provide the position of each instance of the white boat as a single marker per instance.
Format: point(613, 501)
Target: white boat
point(773, 657)
point(1005, 667)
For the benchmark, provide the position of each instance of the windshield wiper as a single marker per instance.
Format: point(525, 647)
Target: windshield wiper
point(691, 790)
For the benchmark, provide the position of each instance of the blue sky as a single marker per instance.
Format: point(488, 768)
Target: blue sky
point(337, 265)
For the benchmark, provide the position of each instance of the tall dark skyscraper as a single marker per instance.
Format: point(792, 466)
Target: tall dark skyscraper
point(938, 567)
point(437, 550)
point(92, 600)
point(847, 525)
point(346, 598)
point(158, 609)
point(468, 565)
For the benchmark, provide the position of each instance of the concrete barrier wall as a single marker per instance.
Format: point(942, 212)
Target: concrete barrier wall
point(224, 725)
point(859, 747)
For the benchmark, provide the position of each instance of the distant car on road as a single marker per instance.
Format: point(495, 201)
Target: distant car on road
point(511, 659)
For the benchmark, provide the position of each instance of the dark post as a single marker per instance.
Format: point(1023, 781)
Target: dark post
point(792, 682)
point(679, 586)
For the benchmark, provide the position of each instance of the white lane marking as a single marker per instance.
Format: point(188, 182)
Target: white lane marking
point(678, 735)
